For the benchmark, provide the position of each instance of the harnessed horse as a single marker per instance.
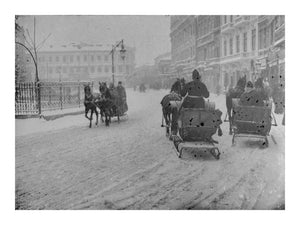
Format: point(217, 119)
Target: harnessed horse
point(89, 104)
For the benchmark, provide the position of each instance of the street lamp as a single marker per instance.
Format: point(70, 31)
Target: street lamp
point(112, 52)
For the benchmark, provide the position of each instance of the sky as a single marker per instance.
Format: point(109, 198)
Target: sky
point(148, 34)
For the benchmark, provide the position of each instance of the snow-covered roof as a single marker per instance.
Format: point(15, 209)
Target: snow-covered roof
point(72, 47)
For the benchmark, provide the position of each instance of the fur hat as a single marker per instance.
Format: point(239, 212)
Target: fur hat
point(196, 75)
point(249, 84)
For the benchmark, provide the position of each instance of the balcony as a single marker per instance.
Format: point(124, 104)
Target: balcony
point(279, 35)
point(240, 21)
point(261, 18)
point(227, 28)
point(205, 39)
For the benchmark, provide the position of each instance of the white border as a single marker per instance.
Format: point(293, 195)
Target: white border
point(152, 7)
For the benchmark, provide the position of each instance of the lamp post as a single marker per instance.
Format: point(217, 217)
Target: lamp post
point(112, 52)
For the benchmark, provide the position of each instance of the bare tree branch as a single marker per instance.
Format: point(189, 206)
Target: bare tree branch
point(29, 37)
point(41, 44)
point(30, 46)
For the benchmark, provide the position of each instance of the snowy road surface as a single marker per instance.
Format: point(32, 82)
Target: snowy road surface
point(62, 164)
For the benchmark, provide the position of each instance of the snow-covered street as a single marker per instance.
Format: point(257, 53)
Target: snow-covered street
point(63, 164)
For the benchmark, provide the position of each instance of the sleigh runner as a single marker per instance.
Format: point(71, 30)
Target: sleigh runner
point(252, 121)
point(196, 127)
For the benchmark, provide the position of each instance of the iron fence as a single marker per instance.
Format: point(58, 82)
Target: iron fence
point(30, 97)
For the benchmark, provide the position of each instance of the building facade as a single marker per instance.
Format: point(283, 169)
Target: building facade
point(208, 49)
point(228, 47)
point(183, 45)
point(163, 68)
point(239, 48)
point(89, 62)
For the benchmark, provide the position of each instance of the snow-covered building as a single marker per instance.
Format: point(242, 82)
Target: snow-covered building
point(183, 45)
point(83, 62)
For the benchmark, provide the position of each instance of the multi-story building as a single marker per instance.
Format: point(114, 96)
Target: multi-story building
point(163, 68)
point(228, 47)
point(183, 45)
point(271, 49)
point(239, 45)
point(208, 49)
point(83, 62)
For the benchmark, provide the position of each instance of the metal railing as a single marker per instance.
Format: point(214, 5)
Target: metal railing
point(30, 96)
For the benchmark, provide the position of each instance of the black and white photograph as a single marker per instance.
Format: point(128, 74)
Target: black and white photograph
point(150, 112)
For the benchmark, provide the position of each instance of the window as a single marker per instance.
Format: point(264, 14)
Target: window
point(106, 69)
point(253, 39)
point(127, 69)
point(50, 58)
point(106, 58)
point(264, 37)
point(99, 57)
point(78, 58)
point(92, 58)
point(231, 19)
point(217, 51)
point(237, 43)
point(120, 69)
point(231, 46)
point(272, 32)
point(50, 70)
point(225, 19)
point(64, 58)
point(99, 69)
point(71, 58)
point(58, 69)
point(92, 69)
point(57, 58)
point(64, 69)
point(84, 58)
point(225, 48)
point(72, 69)
point(205, 53)
point(245, 42)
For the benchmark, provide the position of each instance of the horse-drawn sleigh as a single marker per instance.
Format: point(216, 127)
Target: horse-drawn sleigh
point(191, 128)
point(109, 102)
point(252, 121)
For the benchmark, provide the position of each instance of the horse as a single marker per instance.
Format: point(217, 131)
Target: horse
point(235, 92)
point(89, 104)
point(106, 105)
point(169, 111)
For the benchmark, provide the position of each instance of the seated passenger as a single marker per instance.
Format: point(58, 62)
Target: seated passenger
point(248, 96)
point(195, 91)
point(253, 96)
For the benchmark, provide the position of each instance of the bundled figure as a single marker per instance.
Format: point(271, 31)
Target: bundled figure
point(254, 96)
point(121, 100)
point(195, 92)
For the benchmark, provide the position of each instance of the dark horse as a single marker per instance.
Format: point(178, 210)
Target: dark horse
point(235, 92)
point(89, 104)
point(169, 111)
point(106, 104)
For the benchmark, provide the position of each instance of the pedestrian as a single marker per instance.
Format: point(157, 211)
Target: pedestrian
point(122, 96)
